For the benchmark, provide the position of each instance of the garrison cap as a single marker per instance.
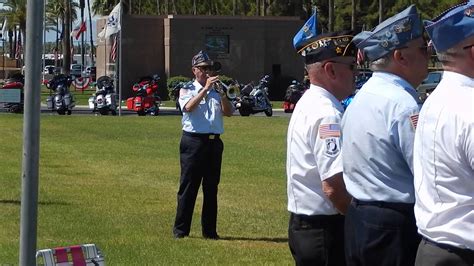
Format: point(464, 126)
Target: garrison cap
point(202, 59)
point(393, 33)
point(452, 26)
point(326, 46)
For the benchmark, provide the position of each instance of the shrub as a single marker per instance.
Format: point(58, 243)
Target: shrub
point(172, 82)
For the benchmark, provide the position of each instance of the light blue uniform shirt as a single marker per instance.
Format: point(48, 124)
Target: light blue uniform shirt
point(378, 130)
point(207, 117)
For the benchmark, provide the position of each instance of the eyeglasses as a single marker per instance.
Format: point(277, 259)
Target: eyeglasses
point(204, 68)
point(352, 66)
point(467, 47)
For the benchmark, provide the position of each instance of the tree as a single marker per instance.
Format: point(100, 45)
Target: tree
point(15, 12)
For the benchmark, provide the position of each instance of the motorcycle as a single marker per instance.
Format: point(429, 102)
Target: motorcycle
point(146, 101)
point(254, 99)
point(12, 94)
point(104, 99)
point(63, 100)
point(293, 95)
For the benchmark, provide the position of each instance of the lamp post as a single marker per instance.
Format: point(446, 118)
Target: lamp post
point(3, 57)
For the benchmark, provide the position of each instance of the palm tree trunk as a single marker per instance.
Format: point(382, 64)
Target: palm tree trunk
point(67, 38)
point(174, 7)
point(331, 15)
point(353, 18)
point(257, 8)
point(380, 11)
point(90, 30)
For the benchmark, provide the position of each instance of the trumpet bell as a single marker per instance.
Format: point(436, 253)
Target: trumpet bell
point(233, 91)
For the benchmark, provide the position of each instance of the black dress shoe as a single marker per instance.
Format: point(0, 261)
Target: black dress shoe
point(178, 236)
point(211, 236)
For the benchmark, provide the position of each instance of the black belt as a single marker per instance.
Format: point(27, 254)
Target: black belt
point(456, 250)
point(315, 220)
point(398, 206)
point(201, 135)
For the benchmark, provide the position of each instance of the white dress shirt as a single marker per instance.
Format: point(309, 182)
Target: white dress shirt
point(207, 117)
point(444, 163)
point(313, 151)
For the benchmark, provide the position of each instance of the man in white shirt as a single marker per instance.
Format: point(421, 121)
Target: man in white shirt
point(444, 146)
point(316, 193)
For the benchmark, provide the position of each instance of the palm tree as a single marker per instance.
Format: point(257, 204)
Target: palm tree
point(56, 11)
point(15, 12)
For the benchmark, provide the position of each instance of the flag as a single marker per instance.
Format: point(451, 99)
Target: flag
point(308, 31)
point(360, 57)
point(113, 23)
point(113, 50)
point(4, 28)
point(329, 130)
point(19, 48)
point(77, 31)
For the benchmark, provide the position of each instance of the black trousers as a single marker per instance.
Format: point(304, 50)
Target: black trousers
point(201, 158)
point(435, 254)
point(380, 233)
point(317, 239)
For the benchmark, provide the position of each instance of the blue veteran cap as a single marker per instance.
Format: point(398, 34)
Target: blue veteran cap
point(393, 33)
point(328, 45)
point(452, 26)
point(201, 59)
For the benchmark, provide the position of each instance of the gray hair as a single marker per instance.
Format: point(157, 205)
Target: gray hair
point(448, 55)
point(381, 63)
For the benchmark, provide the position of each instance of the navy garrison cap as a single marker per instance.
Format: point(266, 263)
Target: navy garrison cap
point(202, 59)
point(393, 33)
point(453, 26)
point(326, 46)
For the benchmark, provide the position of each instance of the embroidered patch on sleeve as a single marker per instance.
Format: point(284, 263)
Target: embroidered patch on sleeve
point(332, 146)
point(414, 121)
point(329, 130)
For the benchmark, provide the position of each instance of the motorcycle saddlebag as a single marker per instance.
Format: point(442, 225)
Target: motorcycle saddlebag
point(148, 102)
point(50, 102)
point(92, 102)
point(130, 103)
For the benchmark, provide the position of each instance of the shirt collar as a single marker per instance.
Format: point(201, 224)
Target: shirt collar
point(394, 79)
point(327, 94)
point(459, 78)
point(397, 80)
point(197, 85)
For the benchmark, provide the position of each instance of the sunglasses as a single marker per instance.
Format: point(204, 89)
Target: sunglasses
point(467, 47)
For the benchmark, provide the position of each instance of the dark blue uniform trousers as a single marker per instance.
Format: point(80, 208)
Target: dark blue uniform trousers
point(317, 239)
point(201, 158)
point(380, 233)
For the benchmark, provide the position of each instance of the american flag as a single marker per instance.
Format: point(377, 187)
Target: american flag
point(329, 130)
point(76, 32)
point(113, 50)
point(360, 57)
point(414, 120)
point(19, 48)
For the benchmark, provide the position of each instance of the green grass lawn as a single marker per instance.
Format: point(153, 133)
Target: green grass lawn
point(113, 181)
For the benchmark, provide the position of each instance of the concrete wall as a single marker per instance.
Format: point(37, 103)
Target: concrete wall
point(165, 45)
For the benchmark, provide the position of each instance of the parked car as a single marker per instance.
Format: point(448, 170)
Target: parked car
point(76, 70)
point(50, 69)
point(428, 85)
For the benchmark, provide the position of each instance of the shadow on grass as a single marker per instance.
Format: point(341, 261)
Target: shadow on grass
point(262, 239)
point(46, 203)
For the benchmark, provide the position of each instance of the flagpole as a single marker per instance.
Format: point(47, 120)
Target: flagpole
point(119, 61)
point(31, 135)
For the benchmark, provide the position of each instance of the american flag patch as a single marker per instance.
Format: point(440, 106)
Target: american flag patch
point(329, 130)
point(414, 120)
